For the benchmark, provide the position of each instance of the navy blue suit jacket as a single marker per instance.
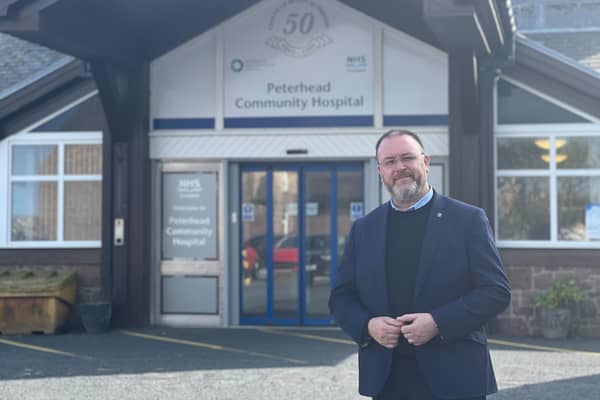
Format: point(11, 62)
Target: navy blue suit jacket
point(460, 282)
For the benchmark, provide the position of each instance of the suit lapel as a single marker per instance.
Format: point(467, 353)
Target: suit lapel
point(433, 235)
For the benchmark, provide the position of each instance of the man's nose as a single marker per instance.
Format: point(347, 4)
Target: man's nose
point(399, 164)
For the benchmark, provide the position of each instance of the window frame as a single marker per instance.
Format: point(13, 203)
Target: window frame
point(551, 131)
point(60, 139)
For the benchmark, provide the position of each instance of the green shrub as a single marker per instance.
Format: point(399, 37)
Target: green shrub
point(562, 294)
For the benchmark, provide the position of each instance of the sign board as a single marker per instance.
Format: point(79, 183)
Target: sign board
point(592, 221)
point(189, 215)
point(356, 210)
point(298, 58)
point(311, 209)
point(248, 212)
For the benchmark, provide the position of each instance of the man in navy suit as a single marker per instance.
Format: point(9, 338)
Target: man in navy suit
point(419, 279)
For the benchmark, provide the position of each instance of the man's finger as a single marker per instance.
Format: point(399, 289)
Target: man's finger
point(407, 318)
point(394, 322)
point(405, 329)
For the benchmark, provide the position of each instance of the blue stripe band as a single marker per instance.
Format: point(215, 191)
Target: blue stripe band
point(183, 123)
point(429, 119)
point(285, 122)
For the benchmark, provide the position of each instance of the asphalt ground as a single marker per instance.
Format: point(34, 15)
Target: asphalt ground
point(257, 363)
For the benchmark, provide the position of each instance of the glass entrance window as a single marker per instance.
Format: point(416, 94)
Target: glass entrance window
point(294, 223)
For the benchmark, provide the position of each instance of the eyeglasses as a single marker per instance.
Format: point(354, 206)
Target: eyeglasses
point(406, 160)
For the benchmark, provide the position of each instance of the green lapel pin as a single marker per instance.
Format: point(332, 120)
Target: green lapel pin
point(440, 215)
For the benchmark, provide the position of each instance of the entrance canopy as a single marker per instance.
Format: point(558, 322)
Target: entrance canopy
point(133, 31)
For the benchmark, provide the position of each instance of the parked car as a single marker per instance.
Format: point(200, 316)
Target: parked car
point(318, 255)
point(285, 254)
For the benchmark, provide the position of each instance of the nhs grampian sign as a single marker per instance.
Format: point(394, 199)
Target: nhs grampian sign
point(298, 63)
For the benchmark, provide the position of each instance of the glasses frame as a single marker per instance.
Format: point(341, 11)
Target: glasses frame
point(405, 160)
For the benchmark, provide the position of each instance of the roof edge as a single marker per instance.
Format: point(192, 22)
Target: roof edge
point(40, 84)
point(560, 67)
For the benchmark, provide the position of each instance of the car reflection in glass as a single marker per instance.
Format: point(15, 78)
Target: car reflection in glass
point(318, 255)
point(285, 255)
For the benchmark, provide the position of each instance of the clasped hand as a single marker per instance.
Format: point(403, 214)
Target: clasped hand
point(417, 329)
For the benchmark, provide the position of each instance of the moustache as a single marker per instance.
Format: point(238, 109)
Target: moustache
point(400, 176)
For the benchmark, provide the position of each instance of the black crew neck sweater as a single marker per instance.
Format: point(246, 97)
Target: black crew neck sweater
point(404, 241)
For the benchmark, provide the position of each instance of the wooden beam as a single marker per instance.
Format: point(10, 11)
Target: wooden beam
point(487, 77)
point(457, 25)
point(125, 97)
point(119, 254)
point(471, 130)
point(463, 127)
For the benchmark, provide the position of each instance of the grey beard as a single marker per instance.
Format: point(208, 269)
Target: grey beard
point(403, 195)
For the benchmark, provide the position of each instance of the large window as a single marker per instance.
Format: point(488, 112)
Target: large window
point(548, 185)
point(54, 193)
point(547, 171)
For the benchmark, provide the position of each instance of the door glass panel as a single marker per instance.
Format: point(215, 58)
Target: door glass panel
point(254, 243)
point(350, 205)
point(317, 254)
point(285, 249)
point(189, 215)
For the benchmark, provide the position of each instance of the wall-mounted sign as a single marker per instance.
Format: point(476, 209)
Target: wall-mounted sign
point(248, 212)
point(189, 215)
point(311, 209)
point(298, 58)
point(592, 221)
point(356, 210)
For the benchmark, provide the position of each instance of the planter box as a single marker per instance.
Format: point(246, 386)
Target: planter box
point(35, 302)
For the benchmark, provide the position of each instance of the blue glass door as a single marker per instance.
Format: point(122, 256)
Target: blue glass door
point(294, 221)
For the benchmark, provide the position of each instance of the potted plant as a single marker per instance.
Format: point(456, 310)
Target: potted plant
point(555, 306)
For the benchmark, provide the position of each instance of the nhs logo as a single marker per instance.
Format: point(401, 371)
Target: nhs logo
point(356, 63)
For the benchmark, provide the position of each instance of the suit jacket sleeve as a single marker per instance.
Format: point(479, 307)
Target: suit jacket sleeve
point(490, 289)
point(344, 302)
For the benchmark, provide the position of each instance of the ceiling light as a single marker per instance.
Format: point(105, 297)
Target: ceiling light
point(559, 158)
point(545, 143)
